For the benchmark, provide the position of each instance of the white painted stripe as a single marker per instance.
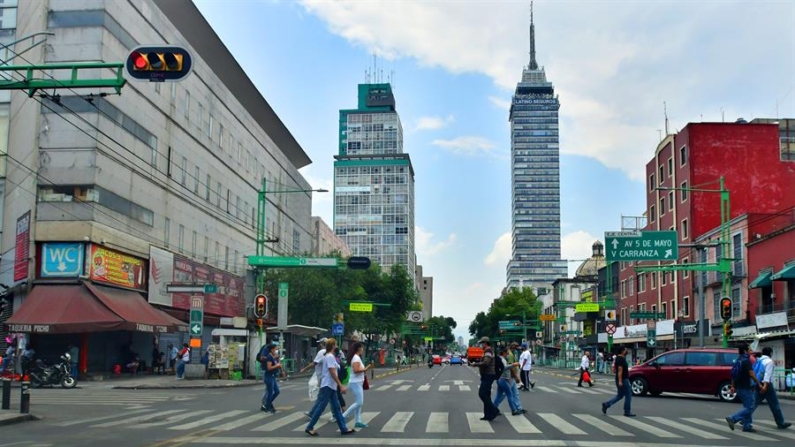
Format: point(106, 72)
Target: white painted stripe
point(685, 428)
point(589, 391)
point(464, 388)
point(724, 427)
point(170, 419)
point(259, 416)
point(404, 388)
point(522, 425)
point(424, 388)
point(156, 414)
point(279, 423)
point(209, 420)
point(568, 390)
point(402, 442)
point(611, 391)
point(458, 382)
point(602, 425)
point(559, 423)
point(437, 423)
point(444, 388)
point(322, 420)
point(650, 429)
point(545, 389)
point(101, 418)
point(398, 422)
point(478, 426)
point(782, 433)
point(384, 387)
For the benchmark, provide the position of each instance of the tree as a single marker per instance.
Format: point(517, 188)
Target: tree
point(512, 305)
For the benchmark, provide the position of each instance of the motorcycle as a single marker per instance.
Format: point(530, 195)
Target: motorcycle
point(60, 373)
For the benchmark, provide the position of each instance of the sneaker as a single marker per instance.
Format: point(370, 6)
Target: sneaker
point(604, 408)
point(730, 422)
point(784, 426)
point(532, 384)
point(749, 430)
point(629, 415)
point(360, 425)
point(263, 408)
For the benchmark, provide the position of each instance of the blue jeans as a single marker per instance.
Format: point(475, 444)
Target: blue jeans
point(358, 394)
point(515, 395)
point(271, 390)
point(624, 392)
point(772, 402)
point(324, 397)
point(503, 391)
point(180, 369)
point(74, 370)
point(747, 397)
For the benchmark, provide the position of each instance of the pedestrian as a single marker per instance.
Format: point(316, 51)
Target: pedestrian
point(526, 360)
point(183, 357)
point(271, 369)
point(329, 384)
point(504, 383)
point(487, 377)
point(585, 365)
point(356, 383)
point(314, 381)
point(600, 362)
point(622, 384)
point(74, 354)
point(342, 373)
point(743, 382)
point(768, 390)
point(172, 357)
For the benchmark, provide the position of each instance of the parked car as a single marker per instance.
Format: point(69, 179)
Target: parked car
point(696, 371)
point(437, 360)
point(456, 360)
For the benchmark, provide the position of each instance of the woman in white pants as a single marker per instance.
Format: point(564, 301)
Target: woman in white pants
point(356, 383)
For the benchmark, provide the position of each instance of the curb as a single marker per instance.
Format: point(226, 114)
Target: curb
point(184, 387)
point(18, 419)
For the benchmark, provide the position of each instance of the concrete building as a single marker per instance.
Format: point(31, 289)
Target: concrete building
point(425, 286)
point(153, 186)
point(324, 241)
point(374, 182)
point(535, 179)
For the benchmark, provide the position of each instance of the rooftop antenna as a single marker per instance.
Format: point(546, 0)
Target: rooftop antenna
point(722, 115)
point(665, 112)
point(533, 64)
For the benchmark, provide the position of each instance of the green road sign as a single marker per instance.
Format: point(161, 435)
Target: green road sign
point(647, 315)
point(641, 246)
point(284, 289)
point(211, 288)
point(651, 338)
point(277, 261)
point(196, 321)
point(504, 325)
point(571, 332)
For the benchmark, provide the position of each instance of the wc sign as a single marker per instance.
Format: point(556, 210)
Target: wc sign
point(62, 259)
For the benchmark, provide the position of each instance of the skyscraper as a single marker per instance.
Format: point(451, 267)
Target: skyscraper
point(374, 182)
point(535, 178)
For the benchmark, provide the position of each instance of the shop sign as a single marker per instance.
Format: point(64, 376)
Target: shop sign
point(775, 320)
point(35, 328)
point(62, 259)
point(226, 301)
point(22, 247)
point(112, 267)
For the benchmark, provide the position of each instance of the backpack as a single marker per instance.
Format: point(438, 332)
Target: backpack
point(499, 366)
point(737, 368)
point(759, 370)
point(342, 371)
point(262, 357)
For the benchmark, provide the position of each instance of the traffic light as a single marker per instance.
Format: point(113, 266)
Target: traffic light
point(423, 327)
point(726, 308)
point(517, 323)
point(359, 263)
point(727, 330)
point(563, 328)
point(261, 306)
point(159, 63)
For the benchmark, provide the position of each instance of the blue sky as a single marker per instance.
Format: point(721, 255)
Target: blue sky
point(455, 66)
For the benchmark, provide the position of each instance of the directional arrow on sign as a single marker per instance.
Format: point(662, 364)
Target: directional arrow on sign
point(615, 244)
point(669, 253)
point(195, 329)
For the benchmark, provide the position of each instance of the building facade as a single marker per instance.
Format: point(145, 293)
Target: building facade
point(374, 182)
point(425, 286)
point(324, 241)
point(164, 178)
point(535, 180)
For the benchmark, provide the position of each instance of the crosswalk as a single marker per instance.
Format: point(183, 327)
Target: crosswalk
point(121, 398)
point(394, 423)
point(467, 388)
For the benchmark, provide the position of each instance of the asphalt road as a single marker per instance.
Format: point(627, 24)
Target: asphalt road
point(421, 407)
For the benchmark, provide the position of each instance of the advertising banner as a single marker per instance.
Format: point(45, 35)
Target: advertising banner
point(161, 272)
point(22, 250)
point(115, 268)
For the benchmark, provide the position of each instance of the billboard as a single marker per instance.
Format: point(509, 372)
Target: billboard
point(115, 268)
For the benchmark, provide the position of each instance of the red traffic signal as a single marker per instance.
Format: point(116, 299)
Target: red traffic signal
point(726, 308)
point(159, 63)
point(260, 306)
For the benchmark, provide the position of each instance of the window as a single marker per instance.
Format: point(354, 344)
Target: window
point(631, 286)
point(218, 195)
point(184, 170)
point(670, 166)
point(642, 282)
point(153, 157)
point(654, 308)
point(221, 136)
point(239, 152)
point(663, 276)
point(624, 289)
point(206, 248)
point(239, 207)
point(207, 188)
point(684, 191)
point(673, 309)
point(682, 155)
point(671, 201)
point(652, 214)
point(651, 183)
point(685, 233)
point(624, 320)
point(716, 304)
point(167, 228)
point(737, 303)
point(662, 174)
point(696, 358)
point(226, 258)
point(685, 273)
point(196, 175)
point(210, 127)
point(664, 310)
point(296, 241)
point(653, 280)
point(631, 311)
point(217, 258)
point(181, 238)
point(193, 239)
point(187, 105)
point(229, 201)
point(737, 241)
point(200, 111)
point(662, 206)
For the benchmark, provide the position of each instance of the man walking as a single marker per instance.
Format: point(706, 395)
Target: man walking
point(622, 384)
point(768, 390)
point(329, 385)
point(526, 361)
point(584, 366)
point(743, 382)
point(487, 378)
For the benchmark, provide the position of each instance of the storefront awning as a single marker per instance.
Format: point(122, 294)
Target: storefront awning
point(133, 308)
point(763, 280)
point(62, 309)
point(788, 272)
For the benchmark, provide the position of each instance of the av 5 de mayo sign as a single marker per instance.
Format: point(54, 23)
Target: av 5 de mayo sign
point(641, 246)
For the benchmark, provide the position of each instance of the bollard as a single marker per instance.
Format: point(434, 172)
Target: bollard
point(24, 404)
point(6, 393)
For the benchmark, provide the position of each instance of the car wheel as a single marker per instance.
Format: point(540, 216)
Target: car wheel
point(725, 394)
point(639, 386)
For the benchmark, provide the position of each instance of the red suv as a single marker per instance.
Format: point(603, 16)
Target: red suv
point(697, 371)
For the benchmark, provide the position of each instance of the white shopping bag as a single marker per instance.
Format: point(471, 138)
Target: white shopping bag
point(314, 388)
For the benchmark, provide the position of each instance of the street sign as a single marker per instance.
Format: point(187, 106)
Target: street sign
point(414, 316)
point(337, 329)
point(191, 288)
point(359, 263)
point(277, 261)
point(547, 318)
point(610, 328)
point(610, 315)
point(509, 324)
point(196, 316)
point(572, 332)
point(647, 315)
point(641, 246)
point(587, 307)
point(651, 337)
point(282, 305)
point(361, 307)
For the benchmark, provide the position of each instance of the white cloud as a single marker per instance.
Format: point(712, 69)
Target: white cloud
point(425, 245)
point(500, 103)
point(466, 145)
point(501, 253)
point(576, 247)
point(434, 122)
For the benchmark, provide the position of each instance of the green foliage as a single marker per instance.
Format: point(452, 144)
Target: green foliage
point(441, 327)
point(510, 306)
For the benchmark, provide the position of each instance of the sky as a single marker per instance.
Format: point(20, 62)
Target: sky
point(617, 66)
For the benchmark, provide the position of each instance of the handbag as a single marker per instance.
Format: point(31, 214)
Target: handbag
point(586, 377)
point(366, 385)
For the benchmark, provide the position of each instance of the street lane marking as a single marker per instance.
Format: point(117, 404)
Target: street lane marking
point(646, 427)
point(522, 425)
point(568, 390)
point(398, 422)
point(444, 388)
point(101, 418)
point(458, 382)
point(384, 387)
point(724, 427)
point(478, 426)
point(279, 423)
point(782, 433)
point(544, 389)
point(259, 416)
point(359, 441)
point(589, 391)
point(145, 417)
point(559, 423)
point(464, 388)
point(208, 420)
point(437, 423)
point(600, 424)
point(424, 388)
point(685, 428)
point(404, 388)
point(606, 391)
point(321, 421)
point(170, 419)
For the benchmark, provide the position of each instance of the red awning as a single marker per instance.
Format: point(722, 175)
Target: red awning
point(62, 309)
point(133, 308)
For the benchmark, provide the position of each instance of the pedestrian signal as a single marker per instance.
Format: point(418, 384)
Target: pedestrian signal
point(726, 308)
point(159, 63)
point(261, 306)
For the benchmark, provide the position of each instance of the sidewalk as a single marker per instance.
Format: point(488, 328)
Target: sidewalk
point(8, 417)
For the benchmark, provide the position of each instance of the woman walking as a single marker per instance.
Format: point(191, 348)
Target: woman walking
point(329, 385)
point(272, 368)
point(356, 383)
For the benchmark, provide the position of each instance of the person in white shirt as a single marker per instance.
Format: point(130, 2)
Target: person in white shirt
point(526, 362)
point(584, 366)
point(356, 383)
point(317, 363)
point(329, 384)
point(768, 390)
